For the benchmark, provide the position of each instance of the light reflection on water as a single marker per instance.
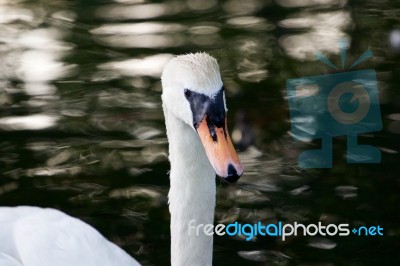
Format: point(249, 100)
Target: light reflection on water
point(82, 127)
point(325, 30)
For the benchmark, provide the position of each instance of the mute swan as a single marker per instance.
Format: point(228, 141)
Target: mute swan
point(199, 147)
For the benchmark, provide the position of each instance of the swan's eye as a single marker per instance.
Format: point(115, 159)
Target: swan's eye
point(188, 93)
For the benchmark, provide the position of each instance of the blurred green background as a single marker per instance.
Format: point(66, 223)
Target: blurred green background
point(82, 129)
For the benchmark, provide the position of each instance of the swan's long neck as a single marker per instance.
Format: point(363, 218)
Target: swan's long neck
point(191, 197)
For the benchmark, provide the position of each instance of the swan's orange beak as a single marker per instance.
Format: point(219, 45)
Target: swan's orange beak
point(220, 150)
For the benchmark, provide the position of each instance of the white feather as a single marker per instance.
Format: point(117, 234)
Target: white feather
point(32, 236)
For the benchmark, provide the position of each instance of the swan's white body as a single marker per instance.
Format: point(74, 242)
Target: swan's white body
point(198, 144)
point(32, 236)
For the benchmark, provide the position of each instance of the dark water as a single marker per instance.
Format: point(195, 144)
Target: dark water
point(82, 129)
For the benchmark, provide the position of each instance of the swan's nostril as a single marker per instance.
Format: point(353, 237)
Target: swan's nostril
point(232, 174)
point(231, 170)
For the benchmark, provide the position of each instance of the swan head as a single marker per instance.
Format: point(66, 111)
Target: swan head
point(193, 92)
